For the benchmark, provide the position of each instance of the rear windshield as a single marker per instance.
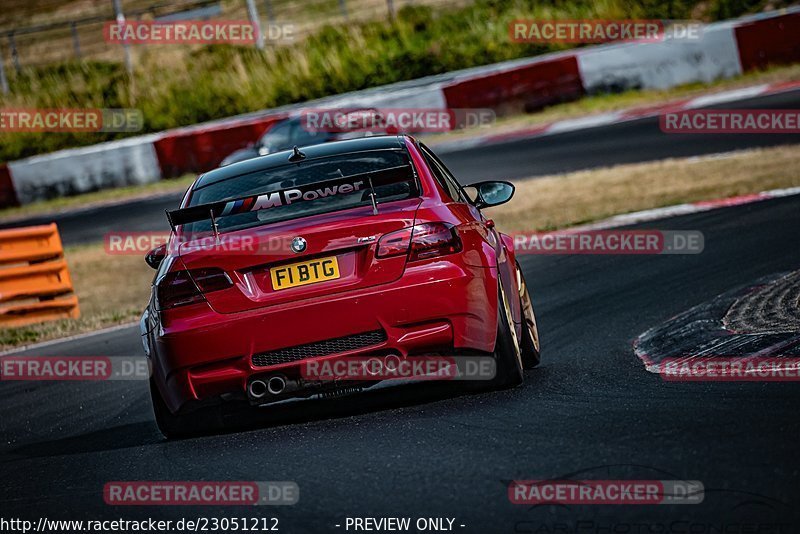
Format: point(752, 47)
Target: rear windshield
point(390, 172)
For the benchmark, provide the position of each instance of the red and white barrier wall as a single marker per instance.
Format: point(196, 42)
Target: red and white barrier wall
point(81, 170)
point(726, 49)
point(8, 196)
point(531, 84)
point(200, 148)
point(766, 40)
point(660, 65)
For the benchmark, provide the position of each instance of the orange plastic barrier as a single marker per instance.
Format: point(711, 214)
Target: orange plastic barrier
point(34, 280)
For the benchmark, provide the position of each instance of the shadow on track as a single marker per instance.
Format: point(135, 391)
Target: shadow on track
point(107, 439)
point(246, 418)
point(240, 417)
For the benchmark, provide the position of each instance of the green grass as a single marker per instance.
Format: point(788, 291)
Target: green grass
point(174, 86)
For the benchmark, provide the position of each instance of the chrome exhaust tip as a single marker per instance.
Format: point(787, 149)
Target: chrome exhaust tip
point(258, 388)
point(276, 385)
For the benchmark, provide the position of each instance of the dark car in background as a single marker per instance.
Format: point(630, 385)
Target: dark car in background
point(291, 132)
point(283, 135)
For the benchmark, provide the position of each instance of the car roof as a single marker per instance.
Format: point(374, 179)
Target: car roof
point(279, 159)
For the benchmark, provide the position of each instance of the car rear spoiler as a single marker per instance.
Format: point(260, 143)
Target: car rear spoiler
point(283, 197)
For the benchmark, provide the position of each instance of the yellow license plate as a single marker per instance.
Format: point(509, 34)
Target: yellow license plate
point(304, 273)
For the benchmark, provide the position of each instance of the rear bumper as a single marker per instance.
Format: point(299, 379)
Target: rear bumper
point(438, 307)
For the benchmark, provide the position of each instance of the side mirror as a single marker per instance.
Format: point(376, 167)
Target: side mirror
point(156, 256)
point(487, 194)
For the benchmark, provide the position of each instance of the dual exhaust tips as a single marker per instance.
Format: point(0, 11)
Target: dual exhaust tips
point(274, 385)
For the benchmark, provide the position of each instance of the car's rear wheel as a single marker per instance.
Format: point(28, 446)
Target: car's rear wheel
point(529, 344)
point(174, 426)
point(507, 354)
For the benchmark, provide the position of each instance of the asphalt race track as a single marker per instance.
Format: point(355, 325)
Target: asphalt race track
point(590, 411)
point(604, 146)
point(630, 142)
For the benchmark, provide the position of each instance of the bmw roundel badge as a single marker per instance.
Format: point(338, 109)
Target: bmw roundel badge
point(298, 244)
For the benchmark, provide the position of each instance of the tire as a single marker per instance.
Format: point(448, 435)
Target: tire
point(529, 344)
point(176, 426)
point(507, 355)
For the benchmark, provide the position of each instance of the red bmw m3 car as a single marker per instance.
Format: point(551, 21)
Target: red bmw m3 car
point(329, 252)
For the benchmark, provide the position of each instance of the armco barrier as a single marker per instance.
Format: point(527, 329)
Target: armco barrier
point(202, 148)
point(769, 41)
point(528, 87)
point(34, 280)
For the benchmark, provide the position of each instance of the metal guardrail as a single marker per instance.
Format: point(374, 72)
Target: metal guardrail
point(35, 285)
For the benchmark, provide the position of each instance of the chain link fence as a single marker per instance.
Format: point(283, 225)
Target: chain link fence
point(80, 36)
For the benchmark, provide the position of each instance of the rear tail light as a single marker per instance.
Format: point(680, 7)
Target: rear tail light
point(394, 243)
point(433, 239)
point(420, 242)
point(211, 279)
point(179, 288)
